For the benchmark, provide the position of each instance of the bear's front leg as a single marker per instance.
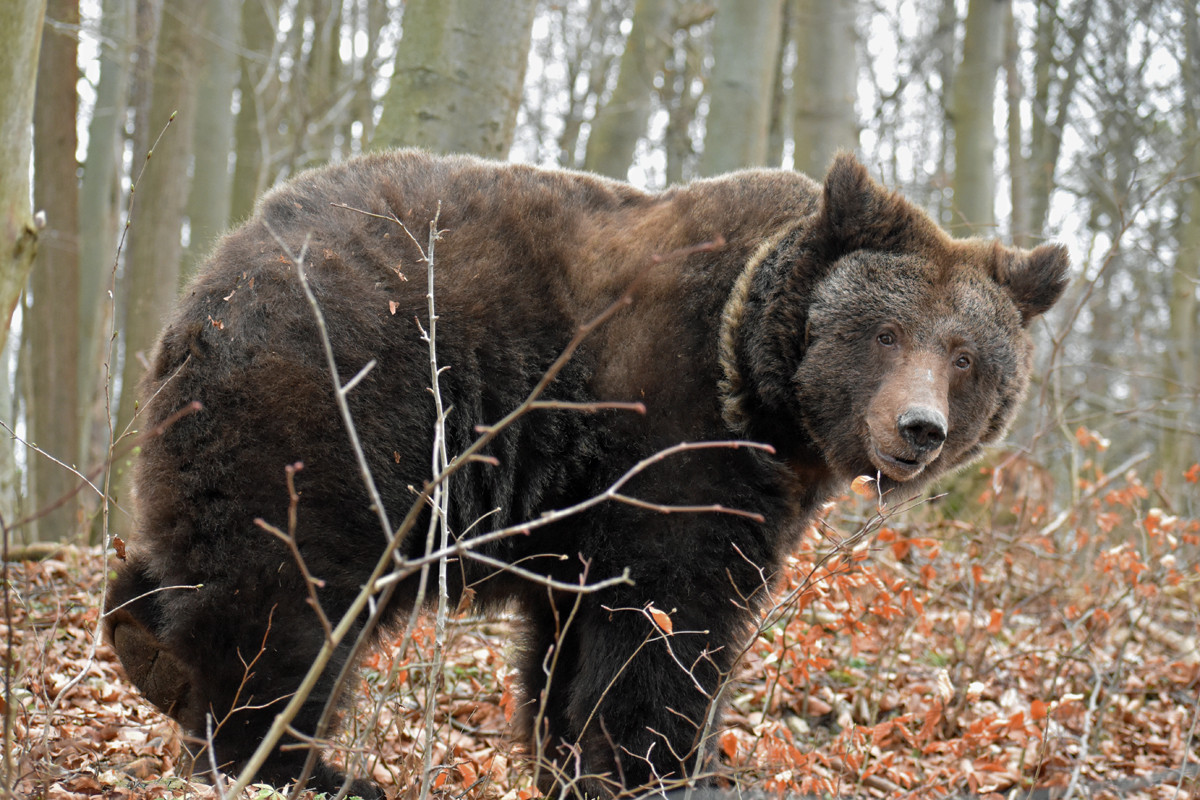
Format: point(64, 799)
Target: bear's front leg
point(625, 690)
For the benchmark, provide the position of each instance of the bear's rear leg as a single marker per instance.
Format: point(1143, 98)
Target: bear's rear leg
point(130, 623)
point(155, 671)
point(229, 684)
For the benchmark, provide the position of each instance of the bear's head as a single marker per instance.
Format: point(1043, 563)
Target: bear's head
point(870, 342)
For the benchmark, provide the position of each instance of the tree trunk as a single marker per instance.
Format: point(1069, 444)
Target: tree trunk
point(683, 93)
point(20, 41)
point(317, 131)
point(622, 121)
point(1017, 165)
point(99, 210)
point(1181, 444)
point(373, 17)
point(209, 199)
point(825, 85)
point(151, 279)
point(944, 43)
point(974, 106)
point(1055, 80)
point(745, 42)
point(777, 123)
point(589, 64)
point(52, 324)
point(460, 69)
point(249, 173)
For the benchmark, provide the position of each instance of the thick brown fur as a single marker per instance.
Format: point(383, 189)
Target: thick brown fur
point(836, 323)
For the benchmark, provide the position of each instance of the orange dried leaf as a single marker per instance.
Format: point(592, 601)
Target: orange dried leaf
point(662, 619)
point(994, 623)
point(729, 744)
point(1037, 710)
point(864, 486)
point(508, 701)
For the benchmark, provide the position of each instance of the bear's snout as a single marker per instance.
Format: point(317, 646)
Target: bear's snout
point(907, 417)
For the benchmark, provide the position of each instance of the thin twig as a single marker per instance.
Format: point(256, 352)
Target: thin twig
point(439, 518)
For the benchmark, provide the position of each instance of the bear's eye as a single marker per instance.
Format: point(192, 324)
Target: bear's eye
point(963, 362)
point(886, 339)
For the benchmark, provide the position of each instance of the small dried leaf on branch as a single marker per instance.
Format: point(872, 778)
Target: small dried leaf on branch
point(662, 619)
point(864, 486)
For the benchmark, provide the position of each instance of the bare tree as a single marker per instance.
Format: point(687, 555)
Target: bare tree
point(53, 335)
point(1180, 445)
point(209, 199)
point(458, 76)
point(249, 175)
point(685, 85)
point(825, 82)
point(99, 208)
point(1058, 64)
point(621, 122)
point(746, 40)
point(21, 41)
point(151, 279)
point(585, 38)
point(974, 105)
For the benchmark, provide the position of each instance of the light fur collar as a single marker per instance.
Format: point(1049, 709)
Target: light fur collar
point(732, 387)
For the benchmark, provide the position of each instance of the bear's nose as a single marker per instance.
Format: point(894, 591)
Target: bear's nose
point(923, 428)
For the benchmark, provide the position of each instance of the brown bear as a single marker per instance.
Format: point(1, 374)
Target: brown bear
point(836, 324)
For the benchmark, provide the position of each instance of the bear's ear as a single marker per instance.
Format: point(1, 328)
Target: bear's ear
point(857, 213)
point(1034, 279)
point(849, 196)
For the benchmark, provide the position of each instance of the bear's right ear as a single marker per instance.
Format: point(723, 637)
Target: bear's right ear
point(859, 214)
point(849, 192)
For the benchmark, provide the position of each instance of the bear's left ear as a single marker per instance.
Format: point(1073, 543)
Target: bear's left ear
point(1035, 279)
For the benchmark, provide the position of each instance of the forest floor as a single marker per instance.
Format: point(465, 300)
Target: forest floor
point(1013, 653)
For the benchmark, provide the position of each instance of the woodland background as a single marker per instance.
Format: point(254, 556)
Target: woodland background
point(1058, 582)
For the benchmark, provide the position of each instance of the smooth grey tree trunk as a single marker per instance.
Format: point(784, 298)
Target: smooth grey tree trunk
point(99, 213)
point(745, 42)
point(20, 43)
point(825, 84)
point(52, 325)
point(621, 122)
point(459, 73)
point(249, 173)
point(212, 181)
point(972, 115)
point(1182, 445)
point(151, 279)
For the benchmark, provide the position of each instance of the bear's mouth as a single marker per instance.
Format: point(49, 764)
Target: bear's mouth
point(898, 468)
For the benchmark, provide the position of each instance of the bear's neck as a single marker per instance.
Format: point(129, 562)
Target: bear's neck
point(749, 413)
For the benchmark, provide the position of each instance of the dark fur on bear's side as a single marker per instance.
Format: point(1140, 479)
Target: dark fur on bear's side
point(836, 323)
